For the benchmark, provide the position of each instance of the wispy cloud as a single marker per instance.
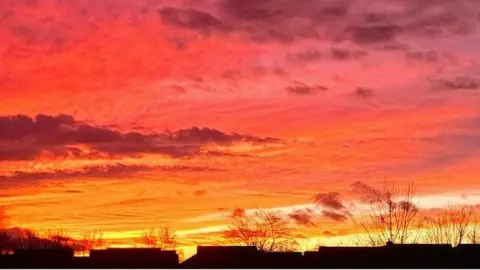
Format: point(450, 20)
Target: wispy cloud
point(457, 83)
point(334, 215)
point(300, 88)
point(117, 171)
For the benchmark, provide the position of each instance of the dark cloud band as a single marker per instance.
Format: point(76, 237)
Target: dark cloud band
point(26, 138)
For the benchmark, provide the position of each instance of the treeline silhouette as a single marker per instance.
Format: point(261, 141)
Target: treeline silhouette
point(23, 239)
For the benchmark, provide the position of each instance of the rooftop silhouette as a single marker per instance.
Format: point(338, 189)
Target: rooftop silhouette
point(388, 256)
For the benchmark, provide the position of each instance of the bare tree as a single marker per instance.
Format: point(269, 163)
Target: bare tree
point(460, 219)
point(89, 240)
point(391, 216)
point(163, 238)
point(437, 231)
point(57, 238)
point(454, 226)
point(45, 239)
point(474, 235)
point(266, 230)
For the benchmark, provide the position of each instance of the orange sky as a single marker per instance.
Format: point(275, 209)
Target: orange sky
point(294, 103)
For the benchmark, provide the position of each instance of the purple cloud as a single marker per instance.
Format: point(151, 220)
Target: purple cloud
point(300, 88)
point(25, 138)
point(286, 21)
point(329, 200)
point(335, 216)
point(302, 217)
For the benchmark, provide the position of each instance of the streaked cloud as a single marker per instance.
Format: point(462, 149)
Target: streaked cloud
point(300, 88)
point(19, 178)
point(335, 216)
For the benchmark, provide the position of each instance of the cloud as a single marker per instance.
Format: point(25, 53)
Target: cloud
point(260, 21)
point(329, 200)
point(233, 76)
point(302, 217)
point(339, 20)
point(118, 170)
point(275, 20)
point(308, 55)
point(238, 212)
point(192, 19)
point(425, 56)
point(73, 191)
point(443, 18)
point(363, 92)
point(457, 83)
point(366, 192)
point(200, 193)
point(300, 88)
point(335, 216)
point(276, 11)
point(25, 138)
point(328, 234)
point(365, 35)
point(336, 53)
point(346, 54)
point(108, 171)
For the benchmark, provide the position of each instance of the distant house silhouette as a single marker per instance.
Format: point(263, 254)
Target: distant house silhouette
point(133, 258)
point(224, 257)
point(420, 255)
point(285, 260)
point(40, 258)
point(389, 256)
point(335, 257)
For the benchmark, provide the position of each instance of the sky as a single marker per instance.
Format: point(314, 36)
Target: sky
point(126, 115)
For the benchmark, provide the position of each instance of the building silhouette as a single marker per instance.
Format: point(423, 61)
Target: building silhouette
point(223, 257)
point(388, 256)
point(133, 258)
point(126, 258)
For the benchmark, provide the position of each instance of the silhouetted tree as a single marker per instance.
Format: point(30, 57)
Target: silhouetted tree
point(266, 230)
point(47, 239)
point(163, 238)
point(391, 216)
point(89, 240)
point(454, 226)
point(474, 235)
